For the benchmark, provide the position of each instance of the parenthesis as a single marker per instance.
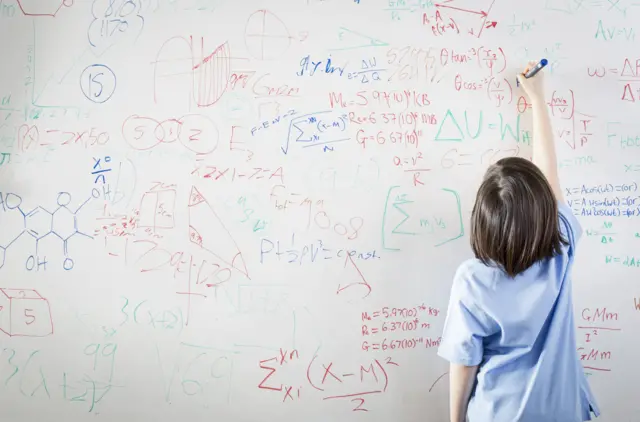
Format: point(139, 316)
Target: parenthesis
point(309, 376)
point(610, 186)
point(573, 103)
point(510, 90)
point(386, 377)
point(489, 88)
point(635, 186)
point(504, 59)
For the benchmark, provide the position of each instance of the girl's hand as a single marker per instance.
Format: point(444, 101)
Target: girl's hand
point(534, 86)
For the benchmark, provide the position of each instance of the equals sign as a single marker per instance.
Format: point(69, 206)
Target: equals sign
point(616, 259)
point(375, 346)
point(374, 330)
point(376, 314)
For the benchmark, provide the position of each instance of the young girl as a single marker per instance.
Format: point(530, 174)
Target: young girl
point(510, 334)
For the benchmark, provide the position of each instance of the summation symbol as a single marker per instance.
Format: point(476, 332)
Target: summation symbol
point(38, 223)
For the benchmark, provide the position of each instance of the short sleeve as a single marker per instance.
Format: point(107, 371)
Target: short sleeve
point(569, 225)
point(465, 327)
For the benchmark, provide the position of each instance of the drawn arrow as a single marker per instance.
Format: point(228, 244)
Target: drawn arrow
point(482, 13)
point(491, 24)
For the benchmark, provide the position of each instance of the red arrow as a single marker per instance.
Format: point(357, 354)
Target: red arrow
point(481, 13)
point(491, 24)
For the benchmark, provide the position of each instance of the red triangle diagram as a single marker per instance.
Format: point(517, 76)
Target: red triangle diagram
point(207, 231)
point(356, 277)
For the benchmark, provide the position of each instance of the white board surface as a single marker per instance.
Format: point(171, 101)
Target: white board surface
point(253, 210)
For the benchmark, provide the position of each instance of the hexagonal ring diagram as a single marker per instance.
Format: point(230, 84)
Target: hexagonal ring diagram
point(42, 7)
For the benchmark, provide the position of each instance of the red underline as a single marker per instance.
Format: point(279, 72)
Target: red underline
point(352, 395)
point(601, 328)
point(596, 369)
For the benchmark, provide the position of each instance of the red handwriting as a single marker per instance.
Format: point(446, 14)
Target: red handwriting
point(390, 99)
point(30, 138)
point(407, 118)
point(406, 138)
point(599, 315)
point(333, 380)
point(263, 88)
point(24, 313)
point(597, 323)
point(410, 63)
point(232, 174)
point(48, 8)
point(240, 79)
point(493, 60)
point(440, 26)
point(388, 312)
point(361, 280)
point(210, 74)
point(195, 132)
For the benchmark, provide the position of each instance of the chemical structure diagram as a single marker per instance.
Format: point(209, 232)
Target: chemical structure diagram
point(39, 223)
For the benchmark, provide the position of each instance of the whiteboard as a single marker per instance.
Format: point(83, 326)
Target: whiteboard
point(253, 210)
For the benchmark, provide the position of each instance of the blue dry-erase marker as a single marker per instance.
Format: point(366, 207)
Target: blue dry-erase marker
point(535, 69)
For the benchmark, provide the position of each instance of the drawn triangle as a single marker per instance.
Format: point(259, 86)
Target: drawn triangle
point(349, 40)
point(355, 279)
point(559, 5)
point(627, 68)
point(195, 198)
point(208, 231)
point(449, 129)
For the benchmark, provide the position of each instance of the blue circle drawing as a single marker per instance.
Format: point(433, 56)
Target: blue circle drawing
point(98, 83)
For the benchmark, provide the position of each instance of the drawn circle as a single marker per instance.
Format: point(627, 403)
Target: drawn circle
point(342, 226)
point(68, 264)
point(64, 199)
point(141, 132)
point(266, 36)
point(191, 392)
point(198, 133)
point(12, 201)
point(169, 130)
point(132, 9)
point(98, 83)
point(31, 263)
point(67, 3)
point(214, 366)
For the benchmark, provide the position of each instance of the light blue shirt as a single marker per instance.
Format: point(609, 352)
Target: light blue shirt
point(521, 333)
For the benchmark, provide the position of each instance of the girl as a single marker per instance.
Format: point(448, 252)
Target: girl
point(509, 334)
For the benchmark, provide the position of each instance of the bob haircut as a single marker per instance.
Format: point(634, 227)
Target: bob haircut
point(514, 222)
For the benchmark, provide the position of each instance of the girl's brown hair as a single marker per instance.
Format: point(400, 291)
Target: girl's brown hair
point(514, 222)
